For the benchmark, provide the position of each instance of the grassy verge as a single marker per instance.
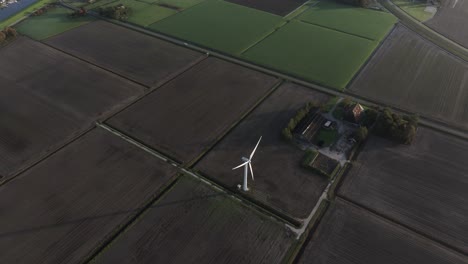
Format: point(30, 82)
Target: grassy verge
point(25, 12)
point(415, 9)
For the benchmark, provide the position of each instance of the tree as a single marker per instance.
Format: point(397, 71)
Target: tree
point(10, 32)
point(361, 133)
point(2, 37)
point(287, 134)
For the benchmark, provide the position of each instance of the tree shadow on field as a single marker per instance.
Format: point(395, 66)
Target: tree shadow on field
point(81, 221)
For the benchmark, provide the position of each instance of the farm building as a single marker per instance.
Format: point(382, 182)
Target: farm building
point(354, 112)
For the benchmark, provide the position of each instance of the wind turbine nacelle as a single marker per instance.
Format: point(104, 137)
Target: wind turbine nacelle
point(245, 159)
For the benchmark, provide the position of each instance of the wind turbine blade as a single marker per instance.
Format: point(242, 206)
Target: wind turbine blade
point(251, 171)
point(240, 165)
point(253, 152)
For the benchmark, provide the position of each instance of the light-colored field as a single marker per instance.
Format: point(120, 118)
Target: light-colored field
point(361, 22)
point(313, 53)
point(411, 73)
point(54, 22)
point(220, 25)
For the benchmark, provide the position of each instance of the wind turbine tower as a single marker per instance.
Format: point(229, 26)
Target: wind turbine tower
point(247, 165)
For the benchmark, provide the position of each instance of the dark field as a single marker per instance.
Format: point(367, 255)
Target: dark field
point(349, 235)
point(422, 186)
point(278, 7)
point(451, 20)
point(62, 209)
point(280, 181)
point(410, 73)
point(193, 223)
point(47, 98)
point(186, 116)
point(134, 55)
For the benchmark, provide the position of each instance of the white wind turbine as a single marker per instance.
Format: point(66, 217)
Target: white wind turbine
point(247, 165)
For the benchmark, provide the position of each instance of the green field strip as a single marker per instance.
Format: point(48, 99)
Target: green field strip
point(337, 30)
point(313, 53)
point(24, 13)
point(53, 22)
point(219, 25)
point(368, 23)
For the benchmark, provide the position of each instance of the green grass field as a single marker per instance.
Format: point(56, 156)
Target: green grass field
point(143, 14)
point(414, 9)
point(220, 25)
point(54, 22)
point(362, 22)
point(313, 53)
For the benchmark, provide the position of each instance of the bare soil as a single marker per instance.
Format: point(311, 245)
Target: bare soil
point(422, 186)
point(186, 116)
point(413, 74)
point(451, 20)
point(194, 223)
point(349, 234)
point(62, 209)
point(47, 98)
point(134, 55)
point(280, 181)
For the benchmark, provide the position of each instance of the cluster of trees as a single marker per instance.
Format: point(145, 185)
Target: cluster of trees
point(117, 12)
point(7, 34)
point(360, 3)
point(42, 10)
point(81, 12)
point(401, 128)
point(300, 114)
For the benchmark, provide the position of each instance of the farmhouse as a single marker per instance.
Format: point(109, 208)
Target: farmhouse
point(354, 112)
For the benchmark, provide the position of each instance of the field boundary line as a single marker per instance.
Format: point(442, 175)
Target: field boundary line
point(267, 35)
point(315, 86)
point(91, 63)
point(402, 225)
point(43, 156)
point(112, 236)
point(337, 30)
point(206, 180)
point(370, 57)
point(244, 115)
point(309, 3)
point(150, 90)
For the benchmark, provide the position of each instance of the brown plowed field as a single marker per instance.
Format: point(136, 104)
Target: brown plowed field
point(410, 73)
point(47, 97)
point(62, 209)
point(277, 7)
point(186, 116)
point(422, 186)
point(451, 20)
point(134, 55)
point(280, 181)
point(348, 235)
point(193, 223)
